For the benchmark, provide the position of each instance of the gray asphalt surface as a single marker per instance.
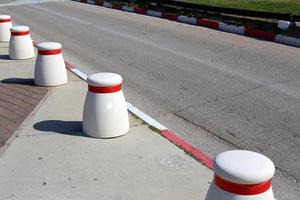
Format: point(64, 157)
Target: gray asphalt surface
point(232, 91)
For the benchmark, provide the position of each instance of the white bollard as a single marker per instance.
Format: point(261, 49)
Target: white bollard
point(5, 25)
point(105, 112)
point(20, 45)
point(50, 67)
point(241, 175)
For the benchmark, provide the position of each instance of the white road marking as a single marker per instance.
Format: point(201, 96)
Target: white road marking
point(146, 118)
point(82, 75)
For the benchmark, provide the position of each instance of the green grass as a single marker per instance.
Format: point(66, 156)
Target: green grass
point(279, 6)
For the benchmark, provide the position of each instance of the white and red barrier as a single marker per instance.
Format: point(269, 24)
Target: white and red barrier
point(50, 67)
point(187, 20)
point(105, 111)
point(240, 30)
point(241, 175)
point(127, 9)
point(230, 28)
point(154, 13)
point(284, 25)
point(20, 44)
point(287, 40)
point(5, 25)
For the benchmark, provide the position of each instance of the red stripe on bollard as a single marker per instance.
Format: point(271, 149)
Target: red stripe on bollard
point(242, 189)
point(97, 89)
point(83, 1)
point(187, 148)
point(19, 33)
point(261, 34)
point(49, 52)
point(140, 10)
point(4, 20)
point(208, 23)
point(169, 16)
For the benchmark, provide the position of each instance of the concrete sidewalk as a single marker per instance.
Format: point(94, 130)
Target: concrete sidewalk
point(52, 159)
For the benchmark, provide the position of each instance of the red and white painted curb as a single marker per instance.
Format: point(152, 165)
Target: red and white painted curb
point(172, 137)
point(240, 30)
point(163, 131)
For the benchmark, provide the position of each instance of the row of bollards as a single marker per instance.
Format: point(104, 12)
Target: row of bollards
point(239, 175)
point(105, 112)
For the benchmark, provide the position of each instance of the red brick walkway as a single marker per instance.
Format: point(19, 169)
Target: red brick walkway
point(17, 100)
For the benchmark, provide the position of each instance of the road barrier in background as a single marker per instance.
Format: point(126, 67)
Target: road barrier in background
point(213, 24)
point(231, 11)
point(239, 175)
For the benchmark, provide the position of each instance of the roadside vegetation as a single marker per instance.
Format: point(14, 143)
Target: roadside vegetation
point(279, 6)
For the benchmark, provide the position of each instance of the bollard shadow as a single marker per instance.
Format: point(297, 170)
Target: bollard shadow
point(4, 57)
point(21, 81)
point(63, 127)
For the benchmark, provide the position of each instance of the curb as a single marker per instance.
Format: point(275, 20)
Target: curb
point(161, 129)
point(240, 30)
point(172, 137)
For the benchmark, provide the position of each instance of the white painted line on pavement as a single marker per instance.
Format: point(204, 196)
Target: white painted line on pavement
point(82, 75)
point(149, 120)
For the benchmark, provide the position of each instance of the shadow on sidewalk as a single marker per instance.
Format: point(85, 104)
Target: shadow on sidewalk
point(4, 57)
point(21, 81)
point(63, 127)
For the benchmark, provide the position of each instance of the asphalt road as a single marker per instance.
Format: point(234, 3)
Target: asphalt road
point(229, 90)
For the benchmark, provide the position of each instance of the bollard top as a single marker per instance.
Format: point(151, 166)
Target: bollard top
point(243, 167)
point(17, 29)
point(48, 46)
point(4, 17)
point(105, 79)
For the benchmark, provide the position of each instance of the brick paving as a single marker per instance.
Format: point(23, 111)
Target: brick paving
point(18, 98)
